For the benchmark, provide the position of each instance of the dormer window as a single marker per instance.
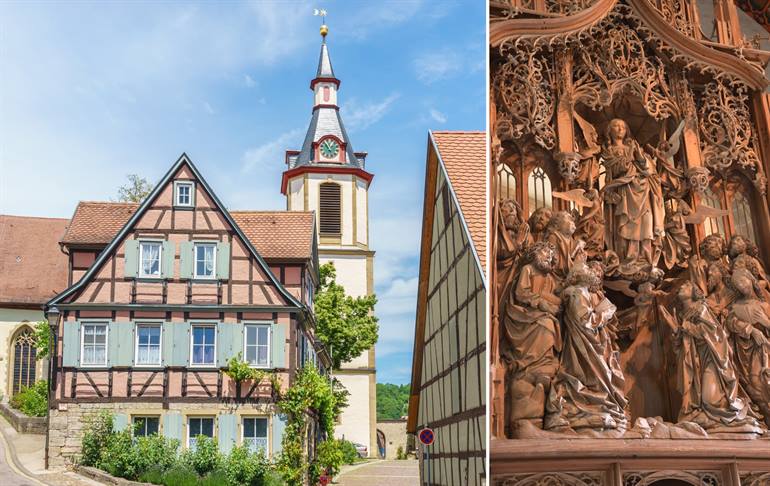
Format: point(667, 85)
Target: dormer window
point(184, 195)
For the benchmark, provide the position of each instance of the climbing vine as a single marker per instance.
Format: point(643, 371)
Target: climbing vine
point(312, 394)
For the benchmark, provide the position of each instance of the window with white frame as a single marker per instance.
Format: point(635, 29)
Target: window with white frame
point(204, 345)
point(150, 258)
point(197, 426)
point(94, 351)
point(148, 344)
point(255, 433)
point(184, 194)
point(257, 345)
point(145, 426)
point(205, 260)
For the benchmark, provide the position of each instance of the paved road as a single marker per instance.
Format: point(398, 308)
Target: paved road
point(8, 477)
point(382, 473)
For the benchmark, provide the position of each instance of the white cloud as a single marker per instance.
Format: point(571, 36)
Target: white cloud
point(434, 66)
point(438, 116)
point(270, 154)
point(208, 108)
point(361, 116)
point(249, 81)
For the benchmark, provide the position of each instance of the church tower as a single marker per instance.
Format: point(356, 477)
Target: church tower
point(327, 176)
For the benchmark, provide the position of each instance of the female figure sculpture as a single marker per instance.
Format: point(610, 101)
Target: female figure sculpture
point(711, 396)
point(637, 214)
point(748, 320)
point(587, 393)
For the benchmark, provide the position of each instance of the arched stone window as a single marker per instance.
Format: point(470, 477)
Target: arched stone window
point(330, 209)
point(712, 226)
point(741, 212)
point(506, 182)
point(538, 190)
point(24, 355)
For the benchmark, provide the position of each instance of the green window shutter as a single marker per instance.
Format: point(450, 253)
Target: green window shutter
point(279, 425)
point(131, 250)
point(227, 432)
point(172, 426)
point(278, 346)
point(169, 252)
point(71, 344)
point(223, 261)
point(225, 338)
point(167, 344)
point(121, 343)
point(181, 343)
point(119, 421)
point(186, 260)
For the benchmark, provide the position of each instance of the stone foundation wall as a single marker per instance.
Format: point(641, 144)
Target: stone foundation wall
point(68, 420)
point(395, 436)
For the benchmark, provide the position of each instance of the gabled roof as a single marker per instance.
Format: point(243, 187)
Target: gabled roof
point(32, 266)
point(275, 234)
point(146, 204)
point(279, 234)
point(464, 157)
point(97, 223)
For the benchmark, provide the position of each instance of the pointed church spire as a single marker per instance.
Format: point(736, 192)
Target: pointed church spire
point(326, 141)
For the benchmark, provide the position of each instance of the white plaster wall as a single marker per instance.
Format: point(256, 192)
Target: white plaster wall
point(10, 321)
point(319, 94)
point(351, 272)
point(355, 425)
point(362, 234)
point(296, 197)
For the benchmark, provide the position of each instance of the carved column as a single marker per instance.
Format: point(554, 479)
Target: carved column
point(727, 25)
point(564, 119)
point(761, 102)
point(496, 369)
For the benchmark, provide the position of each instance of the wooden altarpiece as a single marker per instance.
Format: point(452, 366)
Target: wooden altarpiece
point(653, 139)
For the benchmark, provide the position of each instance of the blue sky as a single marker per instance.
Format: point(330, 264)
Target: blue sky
point(90, 92)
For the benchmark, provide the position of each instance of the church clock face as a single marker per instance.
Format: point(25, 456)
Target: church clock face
point(329, 149)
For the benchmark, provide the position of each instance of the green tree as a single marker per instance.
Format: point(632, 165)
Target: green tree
point(43, 341)
point(346, 325)
point(135, 190)
point(392, 401)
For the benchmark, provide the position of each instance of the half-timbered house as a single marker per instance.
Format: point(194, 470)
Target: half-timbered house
point(163, 294)
point(449, 361)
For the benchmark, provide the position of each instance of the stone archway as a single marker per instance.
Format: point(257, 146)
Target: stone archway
point(23, 360)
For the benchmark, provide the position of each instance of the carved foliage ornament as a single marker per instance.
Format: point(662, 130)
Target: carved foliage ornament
point(524, 87)
point(550, 479)
point(649, 478)
point(725, 127)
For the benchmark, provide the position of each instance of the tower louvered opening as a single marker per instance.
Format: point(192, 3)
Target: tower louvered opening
point(330, 209)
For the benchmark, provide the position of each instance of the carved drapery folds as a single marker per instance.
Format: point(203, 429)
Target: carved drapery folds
point(637, 128)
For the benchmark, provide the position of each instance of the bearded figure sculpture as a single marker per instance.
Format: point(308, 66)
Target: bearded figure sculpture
point(587, 394)
point(749, 321)
point(711, 273)
point(538, 222)
point(636, 214)
point(707, 379)
point(513, 237)
point(741, 257)
point(532, 335)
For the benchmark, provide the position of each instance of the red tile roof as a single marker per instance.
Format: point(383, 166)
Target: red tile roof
point(465, 157)
point(97, 223)
point(278, 234)
point(275, 234)
point(33, 268)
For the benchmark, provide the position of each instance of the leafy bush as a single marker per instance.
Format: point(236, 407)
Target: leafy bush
point(205, 458)
point(329, 459)
point(43, 341)
point(400, 454)
point(239, 370)
point(349, 452)
point(155, 451)
point(33, 400)
point(119, 456)
point(243, 467)
point(180, 475)
point(96, 435)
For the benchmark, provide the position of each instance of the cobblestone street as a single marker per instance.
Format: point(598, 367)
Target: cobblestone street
point(382, 473)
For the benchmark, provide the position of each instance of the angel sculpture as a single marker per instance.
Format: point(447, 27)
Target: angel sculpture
point(670, 176)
